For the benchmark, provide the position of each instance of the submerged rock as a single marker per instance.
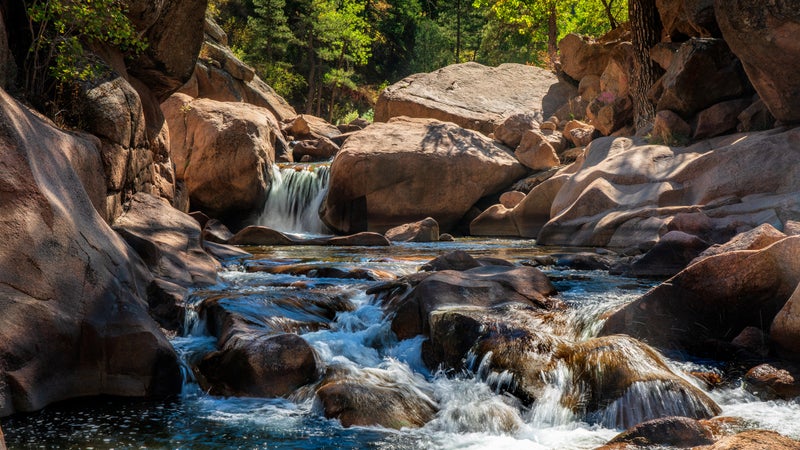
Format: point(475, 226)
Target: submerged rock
point(259, 366)
point(394, 173)
point(73, 294)
point(370, 397)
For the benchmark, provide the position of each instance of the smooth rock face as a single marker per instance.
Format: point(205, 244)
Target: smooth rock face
point(474, 96)
point(535, 152)
point(714, 299)
point(174, 34)
point(403, 171)
point(785, 329)
point(222, 151)
point(624, 193)
point(672, 431)
point(754, 440)
point(72, 279)
point(673, 252)
point(764, 37)
point(759, 237)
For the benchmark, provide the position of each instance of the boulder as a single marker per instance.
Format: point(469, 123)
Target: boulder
point(375, 397)
point(763, 37)
point(624, 193)
point(785, 329)
point(680, 432)
point(383, 175)
point(426, 230)
point(457, 260)
point(703, 72)
point(579, 133)
point(673, 252)
point(174, 34)
point(258, 235)
point(719, 119)
point(535, 152)
point(663, 53)
point(215, 231)
point(495, 220)
point(754, 440)
point(511, 130)
point(306, 126)
point(615, 78)
point(223, 152)
point(321, 149)
point(449, 94)
point(609, 113)
point(69, 277)
point(479, 286)
point(581, 56)
point(259, 366)
point(755, 117)
point(688, 18)
point(511, 199)
point(759, 237)
point(714, 299)
point(773, 381)
point(670, 129)
point(753, 340)
point(589, 87)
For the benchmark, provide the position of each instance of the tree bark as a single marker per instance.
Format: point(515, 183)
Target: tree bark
point(552, 33)
point(646, 30)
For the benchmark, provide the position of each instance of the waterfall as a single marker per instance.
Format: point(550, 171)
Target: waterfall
point(294, 199)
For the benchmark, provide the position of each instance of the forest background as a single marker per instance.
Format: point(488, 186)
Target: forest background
point(331, 58)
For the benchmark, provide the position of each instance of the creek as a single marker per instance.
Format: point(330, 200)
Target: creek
point(472, 412)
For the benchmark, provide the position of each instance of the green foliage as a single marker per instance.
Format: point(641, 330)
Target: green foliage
point(60, 31)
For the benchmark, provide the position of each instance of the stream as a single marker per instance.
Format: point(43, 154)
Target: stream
point(472, 414)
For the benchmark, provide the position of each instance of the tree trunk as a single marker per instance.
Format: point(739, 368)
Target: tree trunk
point(552, 33)
point(612, 21)
point(646, 32)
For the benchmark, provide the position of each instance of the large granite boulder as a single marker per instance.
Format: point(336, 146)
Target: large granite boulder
point(174, 33)
point(408, 169)
point(69, 277)
point(764, 37)
point(582, 57)
point(223, 152)
point(475, 96)
point(714, 299)
point(624, 193)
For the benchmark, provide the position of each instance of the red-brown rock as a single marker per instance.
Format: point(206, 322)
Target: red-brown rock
point(681, 432)
point(771, 381)
point(754, 440)
point(718, 119)
point(511, 130)
point(426, 230)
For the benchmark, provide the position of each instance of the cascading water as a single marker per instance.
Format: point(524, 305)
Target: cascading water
point(294, 198)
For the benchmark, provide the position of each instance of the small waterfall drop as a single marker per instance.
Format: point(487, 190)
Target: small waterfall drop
point(294, 199)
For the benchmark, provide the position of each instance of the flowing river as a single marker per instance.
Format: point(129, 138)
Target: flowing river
point(472, 412)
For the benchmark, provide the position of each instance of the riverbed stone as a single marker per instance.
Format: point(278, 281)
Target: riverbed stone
point(774, 381)
point(259, 366)
point(714, 299)
point(449, 94)
point(671, 254)
point(754, 440)
point(757, 238)
point(681, 432)
point(383, 175)
point(68, 276)
point(426, 230)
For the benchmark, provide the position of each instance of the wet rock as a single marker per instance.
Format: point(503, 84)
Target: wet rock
point(457, 260)
point(321, 271)
point(375, 397)
point(622, 382)
point(535, 152)
point(479, 286)
point(222, 151)
point(774, 381)
point(582, 261)
point(223, 252)
point(681, 432)
point(755, 239)
point(446, 237)
point(257, 235)
point(363, 239)
point(448, 94)
point(426, 230)
point(382, 176)
point(69, 277)
point(754, 440)
point(511, 130)
point(703, 72)
point(321, 149)
point(762, 36)
point(671, 254)
point(715, 298)
point(259, 366)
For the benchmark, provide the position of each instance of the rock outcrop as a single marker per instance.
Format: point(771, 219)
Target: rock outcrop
point(474, 96)
point(223, 152)
point(385, 175)
point(763, 36)
point(68, 276)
